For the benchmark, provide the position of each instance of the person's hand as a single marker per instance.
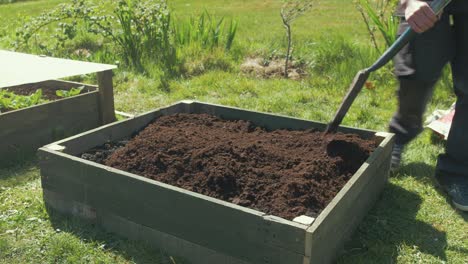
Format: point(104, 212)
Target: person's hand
point(420, 16)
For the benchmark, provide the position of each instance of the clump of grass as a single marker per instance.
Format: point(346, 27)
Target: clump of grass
point(206, 31)
point(337, 56)
point(197, 62)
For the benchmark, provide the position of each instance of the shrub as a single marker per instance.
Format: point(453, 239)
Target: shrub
point(140, 34)
point(378, 16)
point(65, 18)
point(140, 29)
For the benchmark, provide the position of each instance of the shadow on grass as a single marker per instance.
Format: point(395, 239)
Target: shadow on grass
point(19, 174)
point(133, 251)
point(391, 225)
point(418, 170)
point(425, 173)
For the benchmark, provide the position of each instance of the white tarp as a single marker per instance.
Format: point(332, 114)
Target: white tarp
point(19, 68)
point(441, 120)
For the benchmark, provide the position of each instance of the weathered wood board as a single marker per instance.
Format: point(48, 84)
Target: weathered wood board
point(193, 226)
point(23, 131)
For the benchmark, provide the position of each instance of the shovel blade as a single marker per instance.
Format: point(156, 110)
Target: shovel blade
point(354, 89)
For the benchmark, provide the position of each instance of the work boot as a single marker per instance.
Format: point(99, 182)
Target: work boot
point(456, 187)
point(396, 156)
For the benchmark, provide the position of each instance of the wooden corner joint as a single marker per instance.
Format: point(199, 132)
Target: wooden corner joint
point(106, 96)
point(383, 134)
point(304, 219)
point(56, 147)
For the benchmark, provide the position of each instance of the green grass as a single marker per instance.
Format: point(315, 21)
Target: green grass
point(29, 234)
point(411, 223)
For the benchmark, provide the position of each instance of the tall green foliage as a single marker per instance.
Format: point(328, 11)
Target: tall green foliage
point(141, 29)
point(139, 33)
point(206, 31)
point(378, 17)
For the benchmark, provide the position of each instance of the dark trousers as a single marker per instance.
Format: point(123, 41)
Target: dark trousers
point(418, 67)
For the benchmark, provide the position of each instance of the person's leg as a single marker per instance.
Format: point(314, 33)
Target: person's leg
point(418, 67)
point(413, 96)
point(407, 122)
point(452, 167)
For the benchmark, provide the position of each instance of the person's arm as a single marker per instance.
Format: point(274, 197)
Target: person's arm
point(419, 15)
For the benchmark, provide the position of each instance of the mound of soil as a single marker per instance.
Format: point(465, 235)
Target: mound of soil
point(283, 173)
point(101, 153)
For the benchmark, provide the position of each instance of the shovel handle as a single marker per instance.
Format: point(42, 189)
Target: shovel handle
point(362, 76)
point(437, 6)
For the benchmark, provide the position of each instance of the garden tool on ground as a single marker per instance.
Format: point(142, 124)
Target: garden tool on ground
point(362, 76)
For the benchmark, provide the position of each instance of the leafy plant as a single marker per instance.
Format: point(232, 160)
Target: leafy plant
point(142, 31)
point(69, 93)
point(290, 11)
point(140, 34)
point(65, 18)
point(377, 15)
point(11, 101)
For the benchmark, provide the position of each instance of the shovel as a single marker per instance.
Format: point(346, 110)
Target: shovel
point(362, 76)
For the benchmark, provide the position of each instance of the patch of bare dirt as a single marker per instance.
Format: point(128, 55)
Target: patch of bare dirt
point(272, 68)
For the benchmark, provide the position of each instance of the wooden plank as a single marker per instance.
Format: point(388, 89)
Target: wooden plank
point(209, 222)
point(162, 241)
point(157, 240)
point(325, 244)
point(334, 225)
point(54, 84)
point(23, 131)
point(106, 96)
point(58, 202)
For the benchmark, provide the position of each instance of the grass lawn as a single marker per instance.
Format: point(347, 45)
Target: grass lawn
point(411, 223)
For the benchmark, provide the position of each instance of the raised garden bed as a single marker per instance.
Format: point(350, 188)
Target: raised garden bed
point(247, 221)
point(24, 130)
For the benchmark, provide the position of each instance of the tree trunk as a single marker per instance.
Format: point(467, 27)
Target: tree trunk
point(288, 53)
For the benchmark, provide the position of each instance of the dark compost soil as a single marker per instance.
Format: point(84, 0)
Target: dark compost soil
point(283, 173)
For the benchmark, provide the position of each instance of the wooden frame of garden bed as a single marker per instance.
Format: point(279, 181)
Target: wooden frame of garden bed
point(23, 131)
point(194, 226)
